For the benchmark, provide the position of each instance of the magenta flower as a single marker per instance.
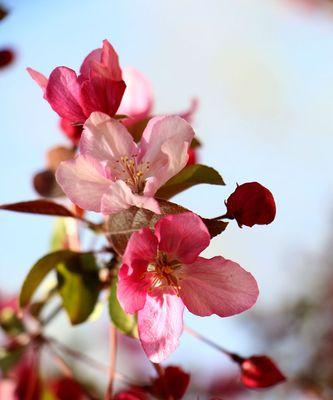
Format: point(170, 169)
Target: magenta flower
point(112, 172)
point(162, 272)
point(98, 87)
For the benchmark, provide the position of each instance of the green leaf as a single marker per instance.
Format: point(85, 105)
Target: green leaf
point(39, 271)
point(79, 286)
point(126, 323)
point(8, 358)
point(188, 177)
point(59, 235)
point(10, 322)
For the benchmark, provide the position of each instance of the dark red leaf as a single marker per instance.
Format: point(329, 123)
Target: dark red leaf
point(43, 207)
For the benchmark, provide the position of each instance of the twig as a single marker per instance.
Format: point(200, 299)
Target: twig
point(197, 335)
point(52, 315)
point(113, 361)
point(89, 361)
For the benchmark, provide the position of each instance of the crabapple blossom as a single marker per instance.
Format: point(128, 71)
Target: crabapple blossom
point(162, 272)
point(98, 87)
point(112, 172)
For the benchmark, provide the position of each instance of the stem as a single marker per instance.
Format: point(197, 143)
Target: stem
point(233, 356)
point(66, 370)
point(113, 360)
point(224, 216)
point(61, 363)
point(161, 373)
point(79, 356)
point(89, 361)
point(72, 232)
point(52, 315)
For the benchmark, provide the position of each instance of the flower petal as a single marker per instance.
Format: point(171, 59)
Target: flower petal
point(110, 59)
point(164, 144)
point(106, 139)
point(133, 283)
point(93, 56)
point(184, 236)
point(100, 93)
point(39, 78)
point(120, 197)
point(141, 247)
point(160, 324)
point(137, 101)
point(83, 182)
point(132, 288)
point(64, 94)
point(217, 286)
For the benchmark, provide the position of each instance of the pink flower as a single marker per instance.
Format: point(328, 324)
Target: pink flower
point(98, 87)
point(162, 272)
point(113, 173)
point(137, 102)
point(7, 389)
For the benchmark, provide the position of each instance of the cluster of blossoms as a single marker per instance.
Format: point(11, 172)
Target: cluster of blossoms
point(125, 164)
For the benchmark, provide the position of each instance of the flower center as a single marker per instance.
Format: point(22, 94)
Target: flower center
point(132, 172)
point(165, 272)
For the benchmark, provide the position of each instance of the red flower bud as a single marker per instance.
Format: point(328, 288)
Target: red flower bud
point(250, 204)
point(72, 131)
point(6, 57)
point(67, 389)
point(173, 384)
point(260, 372)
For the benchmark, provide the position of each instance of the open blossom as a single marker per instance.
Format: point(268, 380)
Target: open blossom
point(98, 87)
point(137, 102)
point(162, 272)
point(112, 172)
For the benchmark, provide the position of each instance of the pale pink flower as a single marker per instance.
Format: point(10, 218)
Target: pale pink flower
point(162, 272)
point(112, 172)
point(98, 87)
point(137, 102)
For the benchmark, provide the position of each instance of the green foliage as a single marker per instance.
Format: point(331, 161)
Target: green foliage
point(78, 282)
point(188, 177)
point(79, 286)
point(10, 323)
point(9, 357)
point(126, 323)
point(39, 271)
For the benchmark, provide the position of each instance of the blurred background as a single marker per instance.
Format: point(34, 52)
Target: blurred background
point(263, 74)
